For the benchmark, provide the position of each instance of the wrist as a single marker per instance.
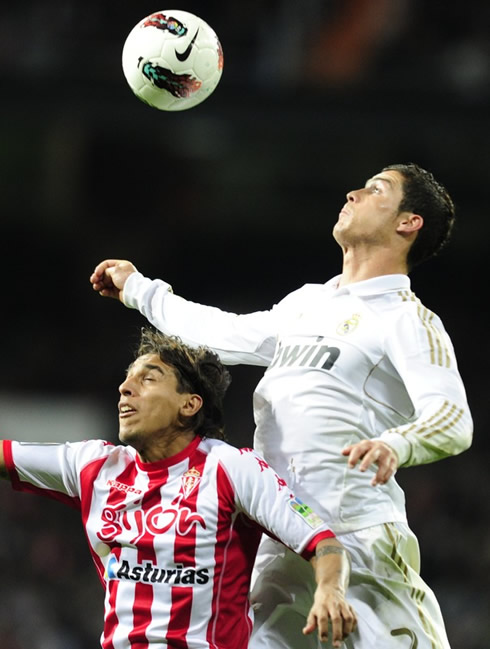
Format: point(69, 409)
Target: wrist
point(398, 444)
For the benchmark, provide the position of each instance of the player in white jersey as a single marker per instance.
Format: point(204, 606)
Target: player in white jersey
point(359, 374)
point(174, 517)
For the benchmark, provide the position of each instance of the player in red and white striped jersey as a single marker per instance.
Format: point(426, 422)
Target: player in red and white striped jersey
point(174, 517)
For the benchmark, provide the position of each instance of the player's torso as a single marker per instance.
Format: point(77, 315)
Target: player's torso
point(157, 538)
point(329, 384)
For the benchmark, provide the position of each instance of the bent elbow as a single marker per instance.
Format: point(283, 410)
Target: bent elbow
point(468, 438)
point(465, 433)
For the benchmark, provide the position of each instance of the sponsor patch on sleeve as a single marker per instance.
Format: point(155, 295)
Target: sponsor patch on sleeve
point(303, 510)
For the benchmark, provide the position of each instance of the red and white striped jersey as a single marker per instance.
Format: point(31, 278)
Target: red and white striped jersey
point(173, 541)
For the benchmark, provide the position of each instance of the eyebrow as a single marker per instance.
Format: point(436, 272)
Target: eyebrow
point(379, 179)
point(150, 366)
point(147, 366)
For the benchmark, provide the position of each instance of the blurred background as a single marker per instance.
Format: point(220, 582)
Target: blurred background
point(233, 203)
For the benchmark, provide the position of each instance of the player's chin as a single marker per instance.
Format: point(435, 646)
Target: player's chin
point(127, 434)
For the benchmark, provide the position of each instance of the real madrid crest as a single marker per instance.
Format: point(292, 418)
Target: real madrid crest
point(349, 325)
point(190, 480)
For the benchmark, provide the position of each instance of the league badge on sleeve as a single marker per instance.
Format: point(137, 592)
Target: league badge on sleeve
point(303, 510)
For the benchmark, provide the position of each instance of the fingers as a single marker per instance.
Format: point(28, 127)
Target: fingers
point(313, 622)
point(369, 458)
point(385, 470)
point(371, 452)
point(109, 277)
point(310, 625)
point(101, 268)
point(105, 286)
point(343, 623)
point(342, 619)
point(356, 452)
point(350, 620)
point(100, 278)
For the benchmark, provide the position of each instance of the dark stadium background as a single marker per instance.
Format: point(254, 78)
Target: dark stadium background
point(233, 203)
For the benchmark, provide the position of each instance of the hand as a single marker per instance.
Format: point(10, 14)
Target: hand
point(330, 605)
point(109, 277)
point(373, 452)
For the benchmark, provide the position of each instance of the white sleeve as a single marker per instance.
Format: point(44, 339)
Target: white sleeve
point(421, 351)
point(266, 499)
point(248, 339)
point(50, 469)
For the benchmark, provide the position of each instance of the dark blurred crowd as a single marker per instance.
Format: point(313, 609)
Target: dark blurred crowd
point(317, 42)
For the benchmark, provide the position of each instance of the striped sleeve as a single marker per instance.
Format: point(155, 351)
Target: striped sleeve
point(421, 351)
point(51, 470)
point(266, 499)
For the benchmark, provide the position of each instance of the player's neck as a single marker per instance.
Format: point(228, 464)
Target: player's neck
point(360, 265)
point(163, 448)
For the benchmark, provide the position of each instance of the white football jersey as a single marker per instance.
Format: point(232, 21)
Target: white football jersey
point(359, 362)
point(173, 541)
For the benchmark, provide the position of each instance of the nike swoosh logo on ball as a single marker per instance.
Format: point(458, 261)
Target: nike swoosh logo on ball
point(183, 56)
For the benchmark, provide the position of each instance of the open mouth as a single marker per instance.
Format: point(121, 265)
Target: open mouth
point(126, 410)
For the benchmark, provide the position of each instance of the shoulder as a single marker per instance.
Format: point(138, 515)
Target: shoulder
point(412, 328)
point(91, 450)
point(218, 449)
point(95, 447)
point(402, 303)
point(302, 294)
point(230, 456)
point(407, 307)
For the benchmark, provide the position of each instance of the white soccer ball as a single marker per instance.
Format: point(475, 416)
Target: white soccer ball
point(172, 60)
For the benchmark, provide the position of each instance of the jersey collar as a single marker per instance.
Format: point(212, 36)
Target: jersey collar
point(150, 467)
point(381, 284)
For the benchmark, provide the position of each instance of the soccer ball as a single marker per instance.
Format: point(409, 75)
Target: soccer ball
point(172, 60)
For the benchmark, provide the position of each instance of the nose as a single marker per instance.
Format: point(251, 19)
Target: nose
point(126, 387)
point(353, 195)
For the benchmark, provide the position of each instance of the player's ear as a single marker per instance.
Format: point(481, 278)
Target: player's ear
point(191, 405)
point(409, 223)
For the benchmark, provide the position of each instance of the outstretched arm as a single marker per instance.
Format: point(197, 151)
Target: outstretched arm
point(236, 338)
point(332, 569)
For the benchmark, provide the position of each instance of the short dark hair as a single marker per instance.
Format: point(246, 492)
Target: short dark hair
point(424, 195)
point(198, 371)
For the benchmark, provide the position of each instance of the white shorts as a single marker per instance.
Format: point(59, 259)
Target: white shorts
point(395, 608)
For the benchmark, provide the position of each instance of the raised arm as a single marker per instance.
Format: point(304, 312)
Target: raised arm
point(236, 338)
